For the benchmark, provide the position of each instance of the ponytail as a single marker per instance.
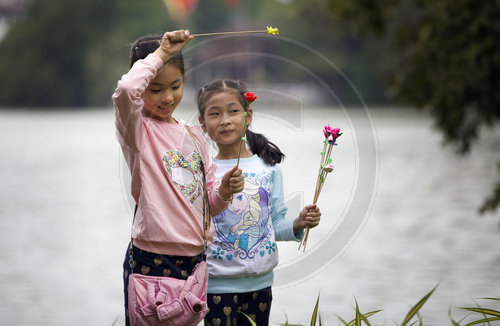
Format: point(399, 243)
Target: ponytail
point(266, 150)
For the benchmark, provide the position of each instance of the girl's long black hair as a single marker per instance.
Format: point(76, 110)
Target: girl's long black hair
point(258, 143)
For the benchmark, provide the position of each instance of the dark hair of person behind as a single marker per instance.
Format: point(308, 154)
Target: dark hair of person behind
point(145, 45)
point(258, 143)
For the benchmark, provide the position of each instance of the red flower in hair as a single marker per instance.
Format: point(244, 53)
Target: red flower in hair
point(250, 97)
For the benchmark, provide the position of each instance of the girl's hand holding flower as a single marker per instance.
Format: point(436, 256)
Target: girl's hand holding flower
point(172, 43)
point(232, 182)
point(309, 217)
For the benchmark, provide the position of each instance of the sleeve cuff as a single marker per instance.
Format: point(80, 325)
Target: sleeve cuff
point(217, 205)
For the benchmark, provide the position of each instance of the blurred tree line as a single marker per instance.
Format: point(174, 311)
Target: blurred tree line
point(447, 61)
point(443, 55)
point(71, 53)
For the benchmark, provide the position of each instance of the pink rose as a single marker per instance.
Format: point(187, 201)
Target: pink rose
point(327, 131)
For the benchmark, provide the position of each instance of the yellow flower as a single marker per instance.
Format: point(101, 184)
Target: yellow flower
point(273, 31)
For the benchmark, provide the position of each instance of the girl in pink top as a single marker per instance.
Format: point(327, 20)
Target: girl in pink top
point(168, 162)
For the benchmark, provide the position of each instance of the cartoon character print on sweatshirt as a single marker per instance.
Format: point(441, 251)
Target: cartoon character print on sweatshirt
point(185, 173)
point(243, 229)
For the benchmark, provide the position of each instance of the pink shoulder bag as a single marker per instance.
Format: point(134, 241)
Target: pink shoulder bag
point(167, 301)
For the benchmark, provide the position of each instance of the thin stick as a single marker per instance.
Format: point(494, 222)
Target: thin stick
point(243, 139)
point(226, 33)
point(239, 154)
point(303, 241)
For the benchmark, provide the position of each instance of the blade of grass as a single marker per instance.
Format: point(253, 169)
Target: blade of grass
point(250, 320)
point(363, 318)
point(482, 321)
point(485, 311)
point(340, 319)
point(478, 306)
point(287, 323)
point(368, 314)
point(115, 321)
point(358, 316)
point(453, 322)
point(414, 310)
point(315, 313)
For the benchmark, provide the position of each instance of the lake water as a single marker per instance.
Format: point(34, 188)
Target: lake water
point(65, 218)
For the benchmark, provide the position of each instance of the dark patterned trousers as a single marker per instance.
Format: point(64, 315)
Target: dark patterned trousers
point(224, 306)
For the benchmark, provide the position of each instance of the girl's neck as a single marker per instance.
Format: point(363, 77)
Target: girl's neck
point(232, 152)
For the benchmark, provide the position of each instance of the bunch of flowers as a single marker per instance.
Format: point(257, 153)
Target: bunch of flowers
point(325, 167)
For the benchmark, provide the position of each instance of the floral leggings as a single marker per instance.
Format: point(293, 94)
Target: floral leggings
point(255, 304)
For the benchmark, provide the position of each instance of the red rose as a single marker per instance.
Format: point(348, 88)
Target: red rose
point(250, 97)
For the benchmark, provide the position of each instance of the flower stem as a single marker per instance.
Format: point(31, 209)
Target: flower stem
point(225, 33)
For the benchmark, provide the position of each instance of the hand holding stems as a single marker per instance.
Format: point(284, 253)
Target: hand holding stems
point(172, 43)
point(232, 182)
point(308, 218)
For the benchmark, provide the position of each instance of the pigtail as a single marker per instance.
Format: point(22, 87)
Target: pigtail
point(266, 150)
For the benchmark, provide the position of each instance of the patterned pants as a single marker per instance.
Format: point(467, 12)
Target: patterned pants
point(149, 263)
point(256, 304)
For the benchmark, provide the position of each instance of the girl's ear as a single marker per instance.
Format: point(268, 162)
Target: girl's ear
point(249, 116)
point(202, 123)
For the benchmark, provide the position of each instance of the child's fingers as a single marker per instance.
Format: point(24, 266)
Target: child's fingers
point(236, 171)
point(178, 36)
point(312, 221)
point(188, 35)
point(229, 174)
point(237, 181)
point(312, 209)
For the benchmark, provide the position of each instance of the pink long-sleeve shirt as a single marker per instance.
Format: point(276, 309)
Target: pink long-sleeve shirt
point(167, 180)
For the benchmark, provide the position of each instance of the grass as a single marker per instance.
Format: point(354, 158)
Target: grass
point(478, 315)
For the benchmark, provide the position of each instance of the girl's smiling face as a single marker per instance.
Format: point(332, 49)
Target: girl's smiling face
point(224, 118)
point(164, 93)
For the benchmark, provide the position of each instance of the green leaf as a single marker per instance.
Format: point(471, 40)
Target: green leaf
point(363, 317)
point(368, 314)
point(414, 310)
point(482, 321)
point(250, 320)
point(315, 312)
point(358, 315)
point(342, 320)
point(484, 311)
point(453, 322)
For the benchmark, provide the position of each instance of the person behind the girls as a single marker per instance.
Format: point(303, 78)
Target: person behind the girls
point(165, 163)
point(243, 253)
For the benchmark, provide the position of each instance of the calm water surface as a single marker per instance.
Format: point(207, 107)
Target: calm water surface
point(65, 219)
